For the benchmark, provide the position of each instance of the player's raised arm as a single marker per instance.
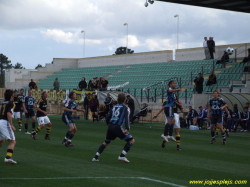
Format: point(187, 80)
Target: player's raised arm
point(160, 111)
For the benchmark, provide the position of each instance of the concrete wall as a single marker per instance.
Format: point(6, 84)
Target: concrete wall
point(198, 53)
point(137, 58)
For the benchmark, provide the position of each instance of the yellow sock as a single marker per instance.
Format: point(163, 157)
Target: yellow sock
point(9, 153)
point(48, 131)
point(178, 140)
point(38, 129)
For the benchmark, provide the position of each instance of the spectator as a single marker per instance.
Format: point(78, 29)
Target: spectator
point(237, 117)
point(82, 84)
point(211, 79)
point(230, 121)
point(95, 83)
point(199, 83)
point(32, 84)
point(201, 117)
point(56, 84)
point(86, 105)
point(91, 84)
point(108, 103)
point(207, 54)
point(104, 84)
point(248, 106)
point(94, 105)
point(245, 121)
point(131, 105)
point(224, 59)
point(192, 117)
point(211, 47)
point(102, 112)
point(142, 112)
point(246, 59)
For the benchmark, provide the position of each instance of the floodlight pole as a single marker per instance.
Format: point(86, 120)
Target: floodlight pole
point(126, 24)
point(83, 42)
point(177, 16)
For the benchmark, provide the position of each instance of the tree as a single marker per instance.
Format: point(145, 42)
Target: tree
point(18, 66)
point(4, 64)
point(38, 66)
point(122, 51)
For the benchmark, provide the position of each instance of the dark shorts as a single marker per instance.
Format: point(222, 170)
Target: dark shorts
point(216, 119)
point(169, 112)
point(93, 109)
point(67, 120)
point(115, 131)
point(30, 114)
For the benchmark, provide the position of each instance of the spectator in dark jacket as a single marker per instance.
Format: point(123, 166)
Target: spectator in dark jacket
point(142, 112)
point(246, 59)
point(32, 84)
point(192, 117)
point(91, 84)
point(199, 83)
point(94, 105)
point(131, 105)
point(211, 47)
point(245, 120)
point(224, 58)
point(211, 79)
point(56, 84)
point(108, 103)
point(82, 84)
point(86, 105)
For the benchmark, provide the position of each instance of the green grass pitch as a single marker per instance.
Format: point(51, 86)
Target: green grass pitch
point(44, 163)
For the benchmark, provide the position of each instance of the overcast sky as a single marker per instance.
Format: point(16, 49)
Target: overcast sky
point(36, 31)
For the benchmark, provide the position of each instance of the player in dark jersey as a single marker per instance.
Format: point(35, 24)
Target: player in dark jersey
point(178, 105)
point(17, 111)
point(119, 115)
point(170, 103)
point(69, 108)
point(21, 95)
point(217, 105)
point(6, 125)
point(42, 117)
point(28, 105)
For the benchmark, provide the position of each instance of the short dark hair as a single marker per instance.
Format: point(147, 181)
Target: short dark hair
point(121, 98)
point(7, 95)
point(21, 89)
point(15, 91)
point(170, 82)
point(71, 94)
point(43, 93)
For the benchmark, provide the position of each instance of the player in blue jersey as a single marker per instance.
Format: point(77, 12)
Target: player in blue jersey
point(170, 103)
point(22, 96)
point(118, 116)
point(28, 106)
point(69, 108)
point(217, 105)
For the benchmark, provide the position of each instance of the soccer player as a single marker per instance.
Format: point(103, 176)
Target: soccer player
point(28, 105)
point(42, 117)
point(118, 116)
point(69, 108)
point(171, 101)
point(6, 125)
point(22, 98)
point(216, 106)
point(17, 109)
point(176, 126)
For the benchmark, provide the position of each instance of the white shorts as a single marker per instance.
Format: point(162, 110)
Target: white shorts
point(43, 120)
point(177, 124)
point(16, 115)
point(6, 131)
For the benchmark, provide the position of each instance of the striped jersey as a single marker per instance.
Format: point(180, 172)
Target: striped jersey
point(70, 104)
point(29, 102)
point(42, 104)
point(171, 98)
point(216, 104)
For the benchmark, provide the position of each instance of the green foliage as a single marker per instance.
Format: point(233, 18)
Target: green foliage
point(198, 160)
point(18, 66)
point(4, 64)
point(38, 66)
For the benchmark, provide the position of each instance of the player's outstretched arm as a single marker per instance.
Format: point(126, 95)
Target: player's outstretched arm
point(174, 90)
point(162, 108)
point(68, 110)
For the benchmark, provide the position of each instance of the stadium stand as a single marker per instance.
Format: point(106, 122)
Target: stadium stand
point(141, 76)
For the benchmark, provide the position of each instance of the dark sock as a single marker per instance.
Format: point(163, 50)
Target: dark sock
point(171, 128)
point(67, 136)
point(126, 149)
point(223, 136)
point(213, 134)
point(166, 130)
point(26, 127)
point(33, 126)
point(70, 137)
point(48, 131)
point(100, 150)
point(9, 153)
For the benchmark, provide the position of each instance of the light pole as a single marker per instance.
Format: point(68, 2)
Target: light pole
point(127, 37)
point(177, 16)
point(83, 42)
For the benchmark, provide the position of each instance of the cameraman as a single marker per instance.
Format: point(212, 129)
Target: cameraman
point(199, 83)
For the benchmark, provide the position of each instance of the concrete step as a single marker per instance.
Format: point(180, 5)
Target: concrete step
point(240, 90)
point(233, 82)
point(224, 90)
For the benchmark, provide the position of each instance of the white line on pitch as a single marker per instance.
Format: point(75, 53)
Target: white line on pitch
point(69, 178)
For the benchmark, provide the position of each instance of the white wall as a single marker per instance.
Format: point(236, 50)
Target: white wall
point(198, 53)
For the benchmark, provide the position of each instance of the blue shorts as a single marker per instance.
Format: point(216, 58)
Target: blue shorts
point(67, 120)
point(169, 112)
